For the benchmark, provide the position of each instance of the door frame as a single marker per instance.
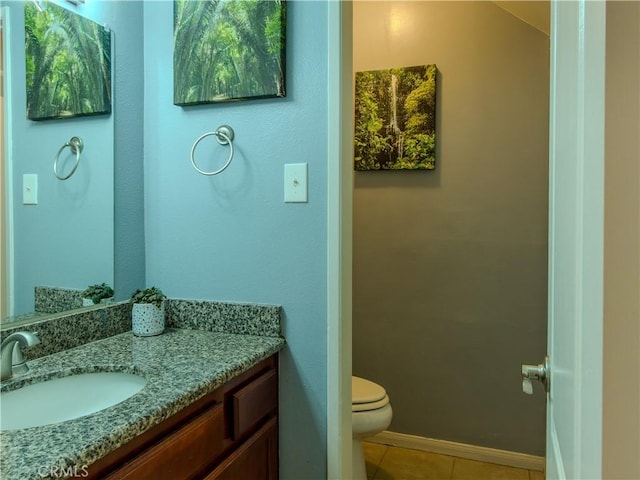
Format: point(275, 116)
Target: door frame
point(339, 238)
point(339, 249)
point(6, 200)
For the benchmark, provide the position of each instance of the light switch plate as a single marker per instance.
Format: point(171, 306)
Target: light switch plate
point(295, 182)
point(30, 189)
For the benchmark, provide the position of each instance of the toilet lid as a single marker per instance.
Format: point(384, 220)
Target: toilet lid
point(365, 391)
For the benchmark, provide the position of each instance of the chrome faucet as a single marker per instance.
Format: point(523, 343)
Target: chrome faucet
point(11, 358)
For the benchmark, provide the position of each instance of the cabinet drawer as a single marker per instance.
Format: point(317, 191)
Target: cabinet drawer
point(182, 455)
point(254, 402)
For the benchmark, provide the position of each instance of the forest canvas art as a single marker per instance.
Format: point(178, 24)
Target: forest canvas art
point(68, 63)
point(395, 119)
point(228, 50)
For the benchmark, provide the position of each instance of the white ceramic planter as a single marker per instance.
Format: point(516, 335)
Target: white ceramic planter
point(147, 319)
point(87, 302)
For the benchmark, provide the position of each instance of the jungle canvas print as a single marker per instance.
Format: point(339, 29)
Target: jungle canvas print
point(68, 63)
point(395, 119)
point(228, 50)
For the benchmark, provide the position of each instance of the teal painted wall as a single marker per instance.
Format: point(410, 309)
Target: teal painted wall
point(231, 237)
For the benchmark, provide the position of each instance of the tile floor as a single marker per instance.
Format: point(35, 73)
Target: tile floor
point(395, 463)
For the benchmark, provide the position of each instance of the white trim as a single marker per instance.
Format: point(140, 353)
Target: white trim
point(576, 213)
point(554, 465)
point(339, 239)
point(553, 457)
point(7, 203)
point(462, 450)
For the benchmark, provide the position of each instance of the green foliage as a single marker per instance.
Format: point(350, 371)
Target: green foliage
point(148, 295)
point(420, 105)
point(68, 64)
point(369, 143)
point(97, 292)
point(395, 122)
point(228, 50)
point(419, 153)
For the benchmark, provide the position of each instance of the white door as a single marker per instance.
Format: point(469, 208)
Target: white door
point(576, 211)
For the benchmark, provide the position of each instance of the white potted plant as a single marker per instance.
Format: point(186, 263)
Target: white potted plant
point(147, 314)
point(95, 294)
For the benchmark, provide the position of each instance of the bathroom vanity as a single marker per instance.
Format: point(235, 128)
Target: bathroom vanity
point(209, 410)
point(229, 433)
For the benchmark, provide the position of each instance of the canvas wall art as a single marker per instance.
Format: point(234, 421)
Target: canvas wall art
point(68, 63)
point(228, 50)
point(395, 119)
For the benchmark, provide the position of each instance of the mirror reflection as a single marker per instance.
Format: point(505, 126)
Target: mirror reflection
point(58, 233)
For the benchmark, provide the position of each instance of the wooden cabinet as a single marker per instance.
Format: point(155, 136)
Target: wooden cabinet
point(256, 459)
point(229, 434)
point(254, 402)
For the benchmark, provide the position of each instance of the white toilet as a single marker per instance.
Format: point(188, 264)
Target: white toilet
point(371, 414)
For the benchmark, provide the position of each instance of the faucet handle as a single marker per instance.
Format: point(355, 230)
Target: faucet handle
point(18, 362)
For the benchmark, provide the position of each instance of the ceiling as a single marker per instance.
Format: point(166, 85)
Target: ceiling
point(535, 13)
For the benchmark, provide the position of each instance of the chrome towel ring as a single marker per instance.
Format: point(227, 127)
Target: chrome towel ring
point(224, 135)
point(75, 145)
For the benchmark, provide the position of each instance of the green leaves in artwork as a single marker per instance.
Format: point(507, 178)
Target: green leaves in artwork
point(228, 50)
point(68, 64)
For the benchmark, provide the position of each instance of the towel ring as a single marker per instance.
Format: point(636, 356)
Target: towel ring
point(75, 145)
point(224, 135)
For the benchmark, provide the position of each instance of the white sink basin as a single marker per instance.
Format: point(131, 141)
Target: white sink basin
point(61, 399)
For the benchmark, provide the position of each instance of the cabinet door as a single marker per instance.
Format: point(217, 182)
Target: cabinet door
point(181, 455)
point(256, 459)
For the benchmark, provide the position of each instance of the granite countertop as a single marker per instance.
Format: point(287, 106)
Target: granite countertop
point(180, 366)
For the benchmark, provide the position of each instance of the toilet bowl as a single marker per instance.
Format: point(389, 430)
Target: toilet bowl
point(370, 414)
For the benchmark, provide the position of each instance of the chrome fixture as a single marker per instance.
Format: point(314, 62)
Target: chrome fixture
point(75, 145)
point(536, 372)
point(224, 135)
point(12, 360)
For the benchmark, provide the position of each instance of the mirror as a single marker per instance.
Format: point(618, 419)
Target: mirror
point(57, 233)
point(123, 132)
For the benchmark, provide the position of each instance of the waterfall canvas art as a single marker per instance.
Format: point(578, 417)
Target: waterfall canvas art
point(395, 119)
point(228, 50)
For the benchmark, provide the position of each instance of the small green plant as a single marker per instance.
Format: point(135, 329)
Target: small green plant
point(97, 292)
point(148, 295)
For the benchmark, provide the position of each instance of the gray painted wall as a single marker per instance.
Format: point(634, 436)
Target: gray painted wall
point(450, 266)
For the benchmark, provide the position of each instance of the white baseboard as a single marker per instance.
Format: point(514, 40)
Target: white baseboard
point(462, 450)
